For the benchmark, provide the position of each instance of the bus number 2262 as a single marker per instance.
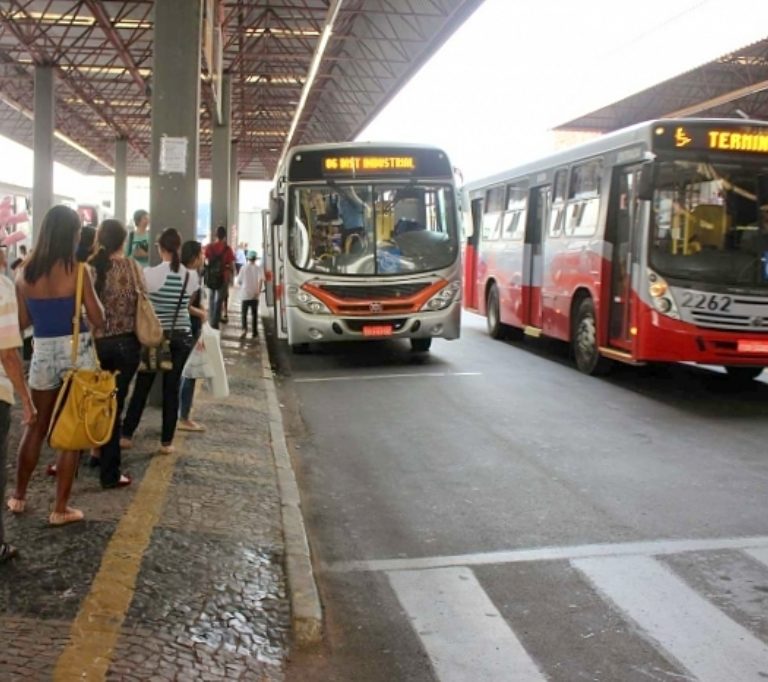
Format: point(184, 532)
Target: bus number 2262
point(713, 302)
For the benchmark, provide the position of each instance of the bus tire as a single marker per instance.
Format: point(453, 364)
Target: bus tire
point(421, 345)
point(492, 314)
point(584, 341)
point(740, 374)
point(300, 348)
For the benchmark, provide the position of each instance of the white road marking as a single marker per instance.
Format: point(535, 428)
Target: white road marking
point(761, 554)
point(695, 632)
point(463, 633)
point(376, 377)
point(648, 548)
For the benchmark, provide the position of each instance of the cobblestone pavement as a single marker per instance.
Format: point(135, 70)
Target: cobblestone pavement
point(177, 577)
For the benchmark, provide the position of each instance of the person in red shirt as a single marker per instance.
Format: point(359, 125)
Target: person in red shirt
point(219, 266)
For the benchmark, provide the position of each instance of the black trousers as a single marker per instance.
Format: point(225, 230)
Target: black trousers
point(181, 345)
point(251, 304)
point(116, 353)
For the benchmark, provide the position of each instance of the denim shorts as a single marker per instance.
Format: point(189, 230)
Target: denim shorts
point(52, 357)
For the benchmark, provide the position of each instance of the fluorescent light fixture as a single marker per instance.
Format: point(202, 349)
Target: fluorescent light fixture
point(333, 12)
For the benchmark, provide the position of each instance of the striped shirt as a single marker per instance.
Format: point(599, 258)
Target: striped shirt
point(164, 288)
point(10, 337)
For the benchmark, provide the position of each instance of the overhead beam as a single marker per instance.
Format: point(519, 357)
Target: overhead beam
point(731, 96)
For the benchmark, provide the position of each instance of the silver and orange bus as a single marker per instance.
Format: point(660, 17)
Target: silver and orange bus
point(646, 244)
point(363, 244)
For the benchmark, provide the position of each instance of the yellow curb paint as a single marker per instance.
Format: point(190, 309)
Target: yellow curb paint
point(96, 628)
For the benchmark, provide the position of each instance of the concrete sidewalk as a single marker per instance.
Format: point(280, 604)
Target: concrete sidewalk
point(184, 574)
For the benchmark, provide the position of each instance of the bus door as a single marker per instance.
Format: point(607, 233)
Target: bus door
point(624, 220)
point(268, 259)
point(535, 228)
point(470, 256)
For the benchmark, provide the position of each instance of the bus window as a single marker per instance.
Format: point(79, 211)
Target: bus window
point(706, 223)
point(557, 212)
point(514, 216)
point(494, 203)
point(584, 198)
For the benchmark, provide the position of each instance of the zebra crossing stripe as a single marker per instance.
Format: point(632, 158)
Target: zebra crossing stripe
point(761, 554)
point(711, 646)
point(464, 635)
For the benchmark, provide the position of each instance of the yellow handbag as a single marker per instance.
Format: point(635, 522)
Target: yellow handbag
point(86, 407)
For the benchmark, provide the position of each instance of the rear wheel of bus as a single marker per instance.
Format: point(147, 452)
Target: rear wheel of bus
point(421, 345)
point(493, 317)
point(584, 340)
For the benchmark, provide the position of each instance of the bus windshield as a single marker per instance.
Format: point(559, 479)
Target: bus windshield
point(709, 223)
point(372, 229)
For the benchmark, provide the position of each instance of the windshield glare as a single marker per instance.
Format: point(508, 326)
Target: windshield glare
point(708, 225)
point(372, 229)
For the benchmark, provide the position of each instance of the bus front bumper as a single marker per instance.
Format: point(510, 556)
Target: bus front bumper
point(307, 328)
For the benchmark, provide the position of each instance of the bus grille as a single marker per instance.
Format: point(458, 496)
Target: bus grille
point(376, 292)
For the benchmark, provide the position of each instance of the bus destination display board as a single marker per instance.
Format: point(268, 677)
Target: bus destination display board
point(715, 137)
point(308, 165)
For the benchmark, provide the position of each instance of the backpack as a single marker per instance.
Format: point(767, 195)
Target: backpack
point(214, 272)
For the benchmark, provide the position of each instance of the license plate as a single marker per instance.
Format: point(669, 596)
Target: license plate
point(752, 346)
point(377, 330)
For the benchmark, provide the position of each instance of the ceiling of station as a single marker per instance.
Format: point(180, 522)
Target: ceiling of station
point(734, 85)
point(101, 51)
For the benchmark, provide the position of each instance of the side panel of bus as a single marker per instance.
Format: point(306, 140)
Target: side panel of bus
point(268, 259)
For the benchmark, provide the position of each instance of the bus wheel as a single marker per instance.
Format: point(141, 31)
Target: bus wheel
point(421, 345)
point(584, 341)
point(493, 318)
point(739, 374)
point(300, 348)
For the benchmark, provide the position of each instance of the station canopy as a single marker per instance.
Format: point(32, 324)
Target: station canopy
point(101, 51)
point(734, 85)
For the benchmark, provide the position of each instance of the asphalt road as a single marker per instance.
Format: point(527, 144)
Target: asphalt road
point(485, 511)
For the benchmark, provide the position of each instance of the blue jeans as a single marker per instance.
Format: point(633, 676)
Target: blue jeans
point(186, 394)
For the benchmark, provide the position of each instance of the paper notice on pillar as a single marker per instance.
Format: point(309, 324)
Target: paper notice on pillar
point(173, 154)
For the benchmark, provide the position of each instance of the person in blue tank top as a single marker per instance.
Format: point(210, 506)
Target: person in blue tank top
point(46, 294)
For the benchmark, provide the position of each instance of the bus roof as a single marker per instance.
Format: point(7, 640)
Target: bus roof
point(640, 133)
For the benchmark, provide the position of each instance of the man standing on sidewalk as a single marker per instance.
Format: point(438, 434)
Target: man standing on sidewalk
point(219, 265)
point(11, 377)
point(251, 280)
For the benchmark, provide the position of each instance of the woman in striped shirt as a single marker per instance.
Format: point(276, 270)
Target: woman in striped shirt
point(169, 287)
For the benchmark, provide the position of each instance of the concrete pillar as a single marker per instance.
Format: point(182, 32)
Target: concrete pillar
point(220, 161)
point(45, 116)
point(175, 118)
point(234, 195)
point(121, 180)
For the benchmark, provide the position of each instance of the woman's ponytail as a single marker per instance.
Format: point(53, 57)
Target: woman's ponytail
point(170, 242)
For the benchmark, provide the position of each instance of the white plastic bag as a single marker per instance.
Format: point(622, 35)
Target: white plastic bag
point(218, 384)
point(198, 364)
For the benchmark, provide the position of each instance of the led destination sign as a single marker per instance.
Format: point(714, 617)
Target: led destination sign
point(715, 137)
point(368, 161)
point(348, 164)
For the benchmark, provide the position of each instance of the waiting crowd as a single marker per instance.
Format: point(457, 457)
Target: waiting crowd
point(106, 274)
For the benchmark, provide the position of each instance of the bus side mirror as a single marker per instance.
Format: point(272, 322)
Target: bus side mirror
point(276, 210)
point(647, 181)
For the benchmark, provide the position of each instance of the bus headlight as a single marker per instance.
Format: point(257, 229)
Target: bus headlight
point(661, 295)
point(443, 298)
point(309, 304)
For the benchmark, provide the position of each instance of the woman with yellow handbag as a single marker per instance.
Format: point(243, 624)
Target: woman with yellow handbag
point(47, 288)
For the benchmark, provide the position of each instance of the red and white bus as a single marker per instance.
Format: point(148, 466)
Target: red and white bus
point(363, 244)
point(647, 244)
